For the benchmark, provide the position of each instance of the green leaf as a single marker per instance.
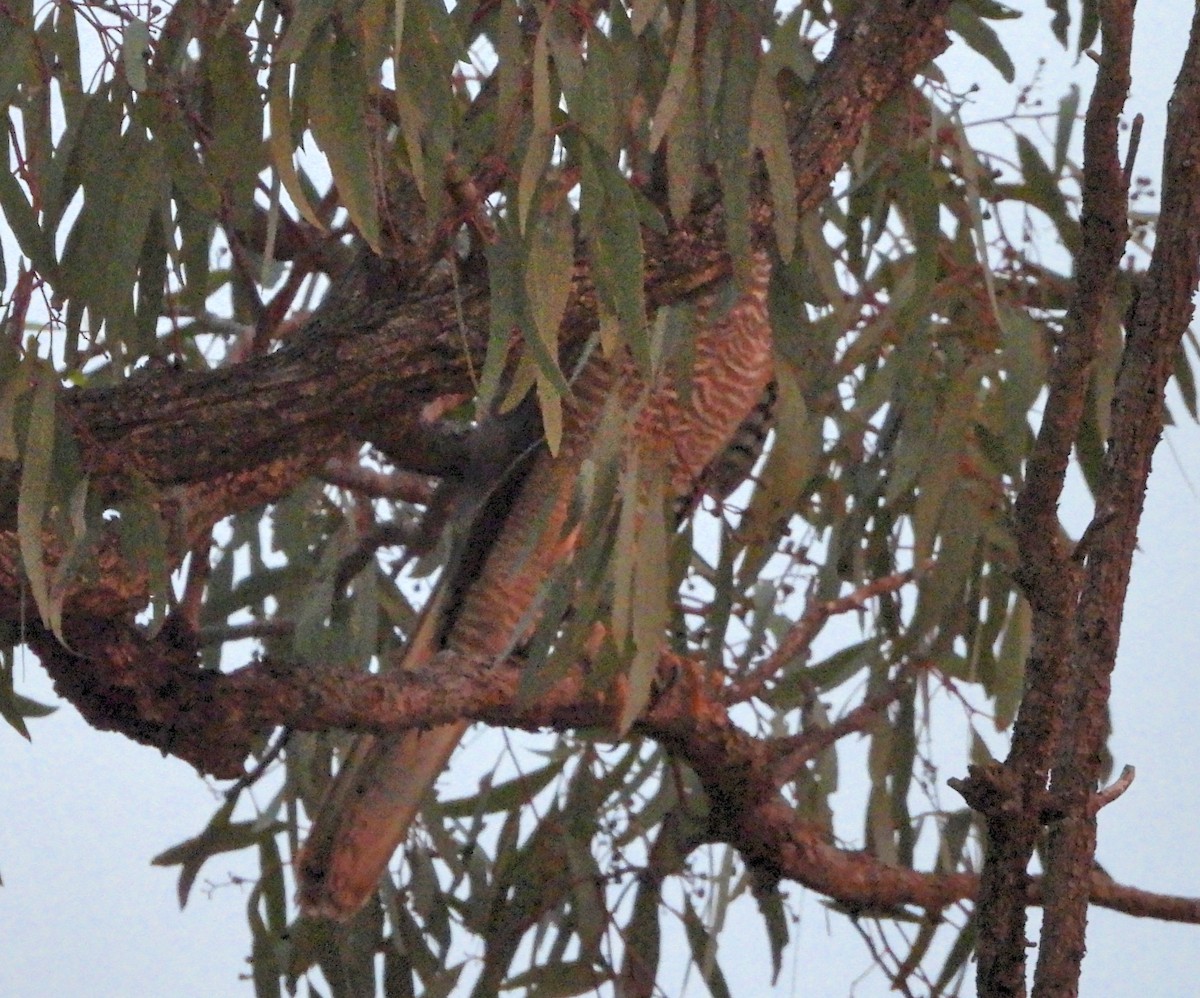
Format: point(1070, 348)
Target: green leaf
point(538, 149)
point(502, 797)
point(188, 174)
point(136, 52)
point(982, 37)
point(596, 108)
point(676, 89)
point(220, 835)
point(280, 108)
point(1041, 189)
point(36, 467)
point(411, 127)
point(643, 12)
point(625, 554)
point(769, 134)
point(771, 907)
point(704, 947)
point(1061, 20)
point(958, 957)
point(1185, 377)
point(73, 559)
point(790, 465)
point(1068, 115)
point(144, 545)
point(15, 389)
point(428, 105)
point(233, 106)
point(17, 49)
point(15, 707)
point(563, 40)
point(650, 610)
point(683, 152)
point(22, 220)
point(338, 105)
point(1008, 685)
point(398, 10)
point(615, 240)
point(557, 980)
point(735, 162)
point(550, 403)
point(307, 17)
point(122, 175)
point(549, 273)
point(643, 936)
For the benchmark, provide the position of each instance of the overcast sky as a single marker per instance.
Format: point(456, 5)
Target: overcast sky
point(83, 914)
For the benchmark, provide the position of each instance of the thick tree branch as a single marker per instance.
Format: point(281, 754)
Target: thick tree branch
point(383, 343)
point(1047, 572)
point(212, 719)
point(1157, 323)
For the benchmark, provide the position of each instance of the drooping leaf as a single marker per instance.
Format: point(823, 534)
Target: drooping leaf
point(279, 106)
point(220, 835)
point(16, 707)
point(676, 89)
point(769, 134)
point(339, 109)
point(1068, 113)
point(233, 106)
point(136, 52)
point(982, 37)
point(36, 468)
point(540, 144)
point(23, 223)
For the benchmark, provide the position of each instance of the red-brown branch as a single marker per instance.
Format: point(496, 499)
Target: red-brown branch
point(1047, 572)
point(214, 719)
point(1157, 323)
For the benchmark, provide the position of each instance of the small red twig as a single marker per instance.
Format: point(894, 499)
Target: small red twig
point(799, 638)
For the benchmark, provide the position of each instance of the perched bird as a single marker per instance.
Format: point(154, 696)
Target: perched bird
point(479, 614)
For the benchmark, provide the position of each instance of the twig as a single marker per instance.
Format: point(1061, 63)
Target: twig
point(403, 486)
point(1135, 140)
point(220, 633)
point(252, 776)
point(1114, 790)
point(795, 751)
point(381, 536)
point(801, 635)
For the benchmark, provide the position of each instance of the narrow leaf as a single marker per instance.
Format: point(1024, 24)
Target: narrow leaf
point(135, 53)
point(769, 133)
point(338, 105)
point(36, 466)
point(538, 151)
point(678, 75)
point(279, 106)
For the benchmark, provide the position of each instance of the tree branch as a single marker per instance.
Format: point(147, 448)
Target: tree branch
point(1157, 323)
point(1047, 572)
point(383, 343)
point(213, 719)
